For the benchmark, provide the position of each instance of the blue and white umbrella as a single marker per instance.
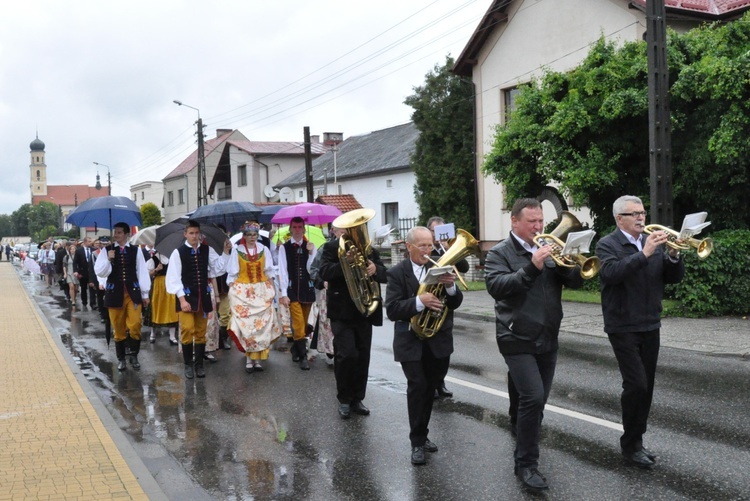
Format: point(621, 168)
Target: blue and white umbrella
point(105, 212)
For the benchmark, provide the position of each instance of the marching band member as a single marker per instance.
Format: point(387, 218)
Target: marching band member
point(527, 287)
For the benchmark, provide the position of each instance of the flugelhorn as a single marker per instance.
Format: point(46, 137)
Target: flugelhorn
point(568, 223)
point(703, 247)
point(354, 249)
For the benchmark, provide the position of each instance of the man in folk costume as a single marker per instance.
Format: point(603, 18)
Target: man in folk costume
point(297, 290)
point(128, 285)
point(188, 279)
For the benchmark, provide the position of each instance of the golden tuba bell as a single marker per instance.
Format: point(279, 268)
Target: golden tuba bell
point(428, 322)
point(703, 247)
point(354, 247)
point(568, 223)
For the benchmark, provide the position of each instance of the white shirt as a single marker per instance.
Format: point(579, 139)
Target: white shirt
point(103, 268)
point(216, 266)
point(525, 244)
point(633, 240)
point(419, 272)
point(284, 272)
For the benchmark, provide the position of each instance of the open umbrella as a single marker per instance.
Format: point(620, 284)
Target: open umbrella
point(171, 235)
point(230, 213)
point(310, 213)
point(268, 212)
point(105, 212)
point(313, 234)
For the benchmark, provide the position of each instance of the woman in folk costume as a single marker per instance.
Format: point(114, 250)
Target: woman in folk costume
point(254, 324)
point(163, 312)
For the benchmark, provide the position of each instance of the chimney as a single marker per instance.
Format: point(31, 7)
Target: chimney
point(221, 132)
point(332, 138)
point(315, 139)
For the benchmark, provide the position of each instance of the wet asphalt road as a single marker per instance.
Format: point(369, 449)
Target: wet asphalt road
point(277, 434)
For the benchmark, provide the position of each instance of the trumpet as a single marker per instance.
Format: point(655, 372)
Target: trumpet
point(703, 247)
point(569, 223)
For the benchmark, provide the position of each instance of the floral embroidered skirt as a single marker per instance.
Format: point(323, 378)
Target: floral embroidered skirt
point(254, 324)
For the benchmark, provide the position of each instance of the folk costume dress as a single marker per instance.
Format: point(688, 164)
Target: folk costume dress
point(254, 324)
point(163, 313)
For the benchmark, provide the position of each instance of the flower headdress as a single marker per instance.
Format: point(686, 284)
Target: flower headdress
point(248, 226)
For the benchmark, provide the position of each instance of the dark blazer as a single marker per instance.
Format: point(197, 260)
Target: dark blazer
point(80, 265)
point(401, 306)
point(633, 285)
point(340, 304)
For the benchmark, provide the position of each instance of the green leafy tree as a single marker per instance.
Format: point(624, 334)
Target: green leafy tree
point(443, 160)
point(43, 220)
point(6, 226)
point(20, 220)
point(150, 214)
point(587, 130)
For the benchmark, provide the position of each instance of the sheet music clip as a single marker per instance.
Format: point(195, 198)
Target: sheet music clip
point(693, 224)
point(578, 242)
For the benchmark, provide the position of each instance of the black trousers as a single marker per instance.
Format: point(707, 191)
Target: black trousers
point(532, 375)
point(422, 377)
point(637, 354)
point(352, 340)
point(88, 295)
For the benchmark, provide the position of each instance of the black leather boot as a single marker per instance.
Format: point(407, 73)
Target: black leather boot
point(187, 357)
point(301, 345)
point(120, 351)
point(135, 349)
point(293, 351)
point(224, 343)
point(200, 350)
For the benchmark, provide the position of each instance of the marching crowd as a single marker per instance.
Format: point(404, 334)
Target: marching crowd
point(249, 293)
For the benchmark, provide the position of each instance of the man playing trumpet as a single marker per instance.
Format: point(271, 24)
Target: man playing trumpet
point(527, 287)
point(634, 269)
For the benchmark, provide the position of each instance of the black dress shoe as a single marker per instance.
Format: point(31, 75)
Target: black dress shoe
point(532, 478)
point(443, 391)
point(638, 458)
point(649, 454)
point(430, 446)
point(173, 342)
point(134, 362)
point(358, 407)
point(417, 455)
point(121, 365)
point(345, 411)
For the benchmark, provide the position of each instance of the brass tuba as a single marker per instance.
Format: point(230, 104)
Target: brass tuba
point(703, 247)
point(428, 322)
point(354, 247)
point(568, 223)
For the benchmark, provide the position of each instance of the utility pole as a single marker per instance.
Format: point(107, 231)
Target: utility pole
point(202, 188)
point(659, 124)
point(308, 166)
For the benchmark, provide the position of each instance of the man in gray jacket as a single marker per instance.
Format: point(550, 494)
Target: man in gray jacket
point(527, 287)
point(633, 273)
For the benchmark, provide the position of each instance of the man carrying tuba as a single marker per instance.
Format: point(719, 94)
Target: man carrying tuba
point(424, 362)
point(352, 328)
point(526, 284)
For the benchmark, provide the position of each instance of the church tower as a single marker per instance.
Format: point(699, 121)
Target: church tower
point(38, 169)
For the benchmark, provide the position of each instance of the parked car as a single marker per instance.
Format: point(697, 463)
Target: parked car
point(33, 251)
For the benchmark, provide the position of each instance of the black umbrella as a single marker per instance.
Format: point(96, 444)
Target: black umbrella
point(232, 214)
point(171, 235)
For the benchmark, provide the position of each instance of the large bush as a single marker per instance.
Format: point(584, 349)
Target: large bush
point(720, 284)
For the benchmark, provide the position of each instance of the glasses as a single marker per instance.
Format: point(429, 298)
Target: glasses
point(634, 213)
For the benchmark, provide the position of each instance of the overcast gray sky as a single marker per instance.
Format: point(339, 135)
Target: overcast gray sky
point(97, 78)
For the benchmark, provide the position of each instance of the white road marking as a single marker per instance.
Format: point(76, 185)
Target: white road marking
point(552, 408)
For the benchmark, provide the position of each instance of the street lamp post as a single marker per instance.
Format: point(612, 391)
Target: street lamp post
point(109, 179)
point(202, 187)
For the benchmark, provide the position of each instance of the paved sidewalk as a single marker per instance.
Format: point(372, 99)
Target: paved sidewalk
point(719, 335)
point(57, 440)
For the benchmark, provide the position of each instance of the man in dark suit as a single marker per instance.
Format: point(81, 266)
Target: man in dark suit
point(633, 272)
point(439, 247)
point(352, 330)
point(424, 363)
point(82, 260)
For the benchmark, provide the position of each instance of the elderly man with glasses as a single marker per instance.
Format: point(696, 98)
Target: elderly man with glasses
point(633, 272)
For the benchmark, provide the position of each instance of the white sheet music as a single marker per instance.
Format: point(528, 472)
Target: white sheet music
point(578, 242)
point(433, 274)
point(694, 224)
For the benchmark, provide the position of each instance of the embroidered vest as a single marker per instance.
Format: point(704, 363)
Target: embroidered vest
point(123, 277)
point(301, 288)
point(195, 278)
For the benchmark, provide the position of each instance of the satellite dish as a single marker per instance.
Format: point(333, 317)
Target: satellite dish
point(269, 192)
point(286, 194)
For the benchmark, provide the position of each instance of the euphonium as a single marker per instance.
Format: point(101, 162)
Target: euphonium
point(427, 322)
point(703, 247)
point(354, 247)
point(568, 223)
